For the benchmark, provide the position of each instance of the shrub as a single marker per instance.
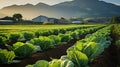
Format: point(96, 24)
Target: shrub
point(14, 37)
point(28, 35)
point(23, 50)
point(6, 56)
point(2, 40)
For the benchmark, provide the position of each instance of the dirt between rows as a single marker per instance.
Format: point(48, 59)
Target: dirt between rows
point(110, 57)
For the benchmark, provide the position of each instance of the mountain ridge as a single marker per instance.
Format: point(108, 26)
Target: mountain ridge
point(78, 8)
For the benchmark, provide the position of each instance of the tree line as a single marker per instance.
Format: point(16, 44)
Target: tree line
point(16, 17)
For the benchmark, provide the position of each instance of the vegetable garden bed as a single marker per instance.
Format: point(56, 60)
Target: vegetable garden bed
point(56, 52)
point(111, 56)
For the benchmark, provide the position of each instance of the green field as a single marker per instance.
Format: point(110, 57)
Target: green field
point(19, 28)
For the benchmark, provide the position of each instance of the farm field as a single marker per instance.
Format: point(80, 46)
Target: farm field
point(18, 28)
point(59, 45)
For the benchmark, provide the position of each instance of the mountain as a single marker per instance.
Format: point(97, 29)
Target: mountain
point(78, 8)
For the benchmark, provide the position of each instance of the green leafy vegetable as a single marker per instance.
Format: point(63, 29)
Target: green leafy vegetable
point(6, 56)
point(78, 58)
point(55, 63)
point(2, 40)
point(23, 50)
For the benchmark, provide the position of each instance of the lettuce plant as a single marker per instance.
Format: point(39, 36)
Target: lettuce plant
point(14, 37)
point(92, 50)
point(28, 35)
point(23, 50)
point(118, 42)
point(56, 39)
point(56, 31)
point(74, 35)
point(6, 56)
point(2, 40)
point(78, 58)
point(65, 37)
point(55, 63)
point(40, 63)
point(43, 42)
point(67, 63)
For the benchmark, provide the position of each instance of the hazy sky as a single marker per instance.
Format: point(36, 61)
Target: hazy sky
point(4, 3)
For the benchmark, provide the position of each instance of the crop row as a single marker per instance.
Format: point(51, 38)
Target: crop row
point(22, 50)
point(83, 52)
point(117, 32)
point(24, 36)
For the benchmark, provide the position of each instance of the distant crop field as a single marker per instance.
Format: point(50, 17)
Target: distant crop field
point(19, 28)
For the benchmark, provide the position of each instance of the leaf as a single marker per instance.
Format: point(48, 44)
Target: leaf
point(78, 58)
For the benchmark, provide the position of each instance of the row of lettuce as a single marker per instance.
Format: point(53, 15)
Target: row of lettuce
point(24, 36)
point(23, 50)
point(117, 30)
point(83, 52)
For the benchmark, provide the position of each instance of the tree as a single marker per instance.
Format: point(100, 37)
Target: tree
point(7, 18)
point(17, 17)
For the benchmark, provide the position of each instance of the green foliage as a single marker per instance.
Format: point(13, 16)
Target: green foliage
point(62, 31)
point(65, 37)
point(41, 63)
point(92, 50)
point(74, 34)
point(43, 42)
point(17, 45)
point(64, 57)
point(17, 17)
point(23, 50)
point(6, 56)
point(56, 31)
point(55, 63)
point(45, 33)
point(78, 58)
point(2, 40)
point(67, 63)
point(118, 42)
point(29, 66)
point(56, 39)
point(28, 35)
point(14, 37)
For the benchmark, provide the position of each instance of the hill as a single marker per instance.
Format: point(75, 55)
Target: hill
point(79, 8)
